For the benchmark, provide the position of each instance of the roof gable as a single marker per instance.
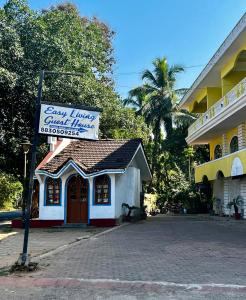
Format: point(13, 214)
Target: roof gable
point(95, 156)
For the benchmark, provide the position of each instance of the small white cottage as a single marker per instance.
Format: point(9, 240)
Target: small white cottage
point(86, 181)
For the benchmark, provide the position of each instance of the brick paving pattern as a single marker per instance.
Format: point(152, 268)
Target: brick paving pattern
point(40, 241)
point(174, 249)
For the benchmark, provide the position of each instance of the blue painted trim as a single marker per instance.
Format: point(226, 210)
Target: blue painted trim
point(88, 203)
point(45, 192)
point(94, 193)
point(77, 169)
point(65, 199)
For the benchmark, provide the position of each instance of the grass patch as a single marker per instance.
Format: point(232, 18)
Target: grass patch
point(6, 230)
point(10, 209)
point(4, 271)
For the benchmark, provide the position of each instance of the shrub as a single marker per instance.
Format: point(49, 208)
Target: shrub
point(10, 190)
point(150, 202)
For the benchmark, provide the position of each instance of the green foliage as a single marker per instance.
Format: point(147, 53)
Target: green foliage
point(56, 39)
point(10, 190)
point(127, 125)
point(171, 180)
point(150, 200)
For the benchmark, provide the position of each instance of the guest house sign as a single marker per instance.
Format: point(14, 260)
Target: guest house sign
point(69, 121)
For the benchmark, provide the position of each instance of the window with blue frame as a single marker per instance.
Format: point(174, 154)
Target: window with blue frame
point(102, 190)
point(53, 191)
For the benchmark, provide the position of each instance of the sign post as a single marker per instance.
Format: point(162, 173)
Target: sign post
point(56, 119)
point(24, 256)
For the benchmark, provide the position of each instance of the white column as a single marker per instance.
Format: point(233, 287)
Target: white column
point(224, 145)
point(241, 136)
point(243, 194)
point(112, 190)
point(226, 197)
point(91, 191)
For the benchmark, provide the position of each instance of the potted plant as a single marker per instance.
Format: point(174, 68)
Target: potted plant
point(236, 203)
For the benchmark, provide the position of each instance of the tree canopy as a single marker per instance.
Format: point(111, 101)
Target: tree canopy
point(56, 39)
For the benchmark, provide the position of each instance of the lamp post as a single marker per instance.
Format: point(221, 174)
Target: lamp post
point(26, 147)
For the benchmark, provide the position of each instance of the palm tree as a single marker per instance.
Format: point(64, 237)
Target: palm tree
point(159, 111)
point(157, 100)
point(138, 99)
point(160, 87)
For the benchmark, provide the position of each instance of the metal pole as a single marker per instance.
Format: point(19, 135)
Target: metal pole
point(24, 189)
point(25, 153)
point(24, 255)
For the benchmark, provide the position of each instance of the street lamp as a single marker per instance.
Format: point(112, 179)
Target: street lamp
point(26, 147)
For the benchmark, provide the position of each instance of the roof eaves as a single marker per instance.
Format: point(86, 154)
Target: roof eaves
point(240, 26)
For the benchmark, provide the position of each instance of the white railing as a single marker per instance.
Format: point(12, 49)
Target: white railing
point(221, 105)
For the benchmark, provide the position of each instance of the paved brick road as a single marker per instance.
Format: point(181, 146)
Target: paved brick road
point(41, 241)
point(174, 249)
point(180, 250)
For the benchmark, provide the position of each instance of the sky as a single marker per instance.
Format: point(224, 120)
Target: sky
point(186, 32)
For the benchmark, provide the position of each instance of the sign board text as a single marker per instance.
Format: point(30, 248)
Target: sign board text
point(68, 121)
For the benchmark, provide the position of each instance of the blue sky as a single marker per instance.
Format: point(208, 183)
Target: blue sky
point(187, 32)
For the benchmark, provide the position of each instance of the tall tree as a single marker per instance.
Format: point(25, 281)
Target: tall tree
point(56, 39)
point(138, 98)
point(160, 86)
point(159, 111)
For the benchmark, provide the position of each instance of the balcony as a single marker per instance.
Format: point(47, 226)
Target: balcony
point(229, 165)
point(225, 114)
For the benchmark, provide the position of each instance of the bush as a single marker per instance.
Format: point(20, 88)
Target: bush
point(10, 190)
point(150, 202)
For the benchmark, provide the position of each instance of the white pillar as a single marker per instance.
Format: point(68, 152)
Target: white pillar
point(224, 145)
point(241, 136)
point(91, 192)
point(112, 191)
point(226, 197)
point(243, 194)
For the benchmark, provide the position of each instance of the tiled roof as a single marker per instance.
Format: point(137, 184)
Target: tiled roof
point(93, 156)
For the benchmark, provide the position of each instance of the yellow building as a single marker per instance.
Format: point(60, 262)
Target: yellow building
point(219, 96)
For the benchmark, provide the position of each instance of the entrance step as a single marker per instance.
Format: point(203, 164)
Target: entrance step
point(75, 225)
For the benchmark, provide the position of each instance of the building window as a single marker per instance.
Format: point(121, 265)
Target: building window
point(53, 191)
point(234, 144)
point(102, 190)
point(217, 152)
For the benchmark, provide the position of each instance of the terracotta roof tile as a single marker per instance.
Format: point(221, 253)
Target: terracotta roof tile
point(93, 156)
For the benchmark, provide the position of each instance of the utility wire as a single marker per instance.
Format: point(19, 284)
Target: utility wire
point(184, 67)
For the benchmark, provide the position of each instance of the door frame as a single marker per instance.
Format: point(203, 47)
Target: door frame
point(66, 194)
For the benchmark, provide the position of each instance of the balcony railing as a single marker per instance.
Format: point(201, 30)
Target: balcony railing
point(223, 164)
point(219, 106)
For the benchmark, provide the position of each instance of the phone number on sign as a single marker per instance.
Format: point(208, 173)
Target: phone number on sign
point(59, 131)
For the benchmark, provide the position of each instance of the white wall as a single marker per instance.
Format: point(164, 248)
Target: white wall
point(243, 194)
point(127, 188)
point(232, 189)
point(50, 212)
point(218, 192)
point(103, 211)
point(124, 188)
point(55, 212)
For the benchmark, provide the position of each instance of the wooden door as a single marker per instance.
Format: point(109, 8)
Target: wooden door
point(77, 200)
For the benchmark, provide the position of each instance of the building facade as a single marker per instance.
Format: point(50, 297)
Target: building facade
point(86, 181)
point(218, 95)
